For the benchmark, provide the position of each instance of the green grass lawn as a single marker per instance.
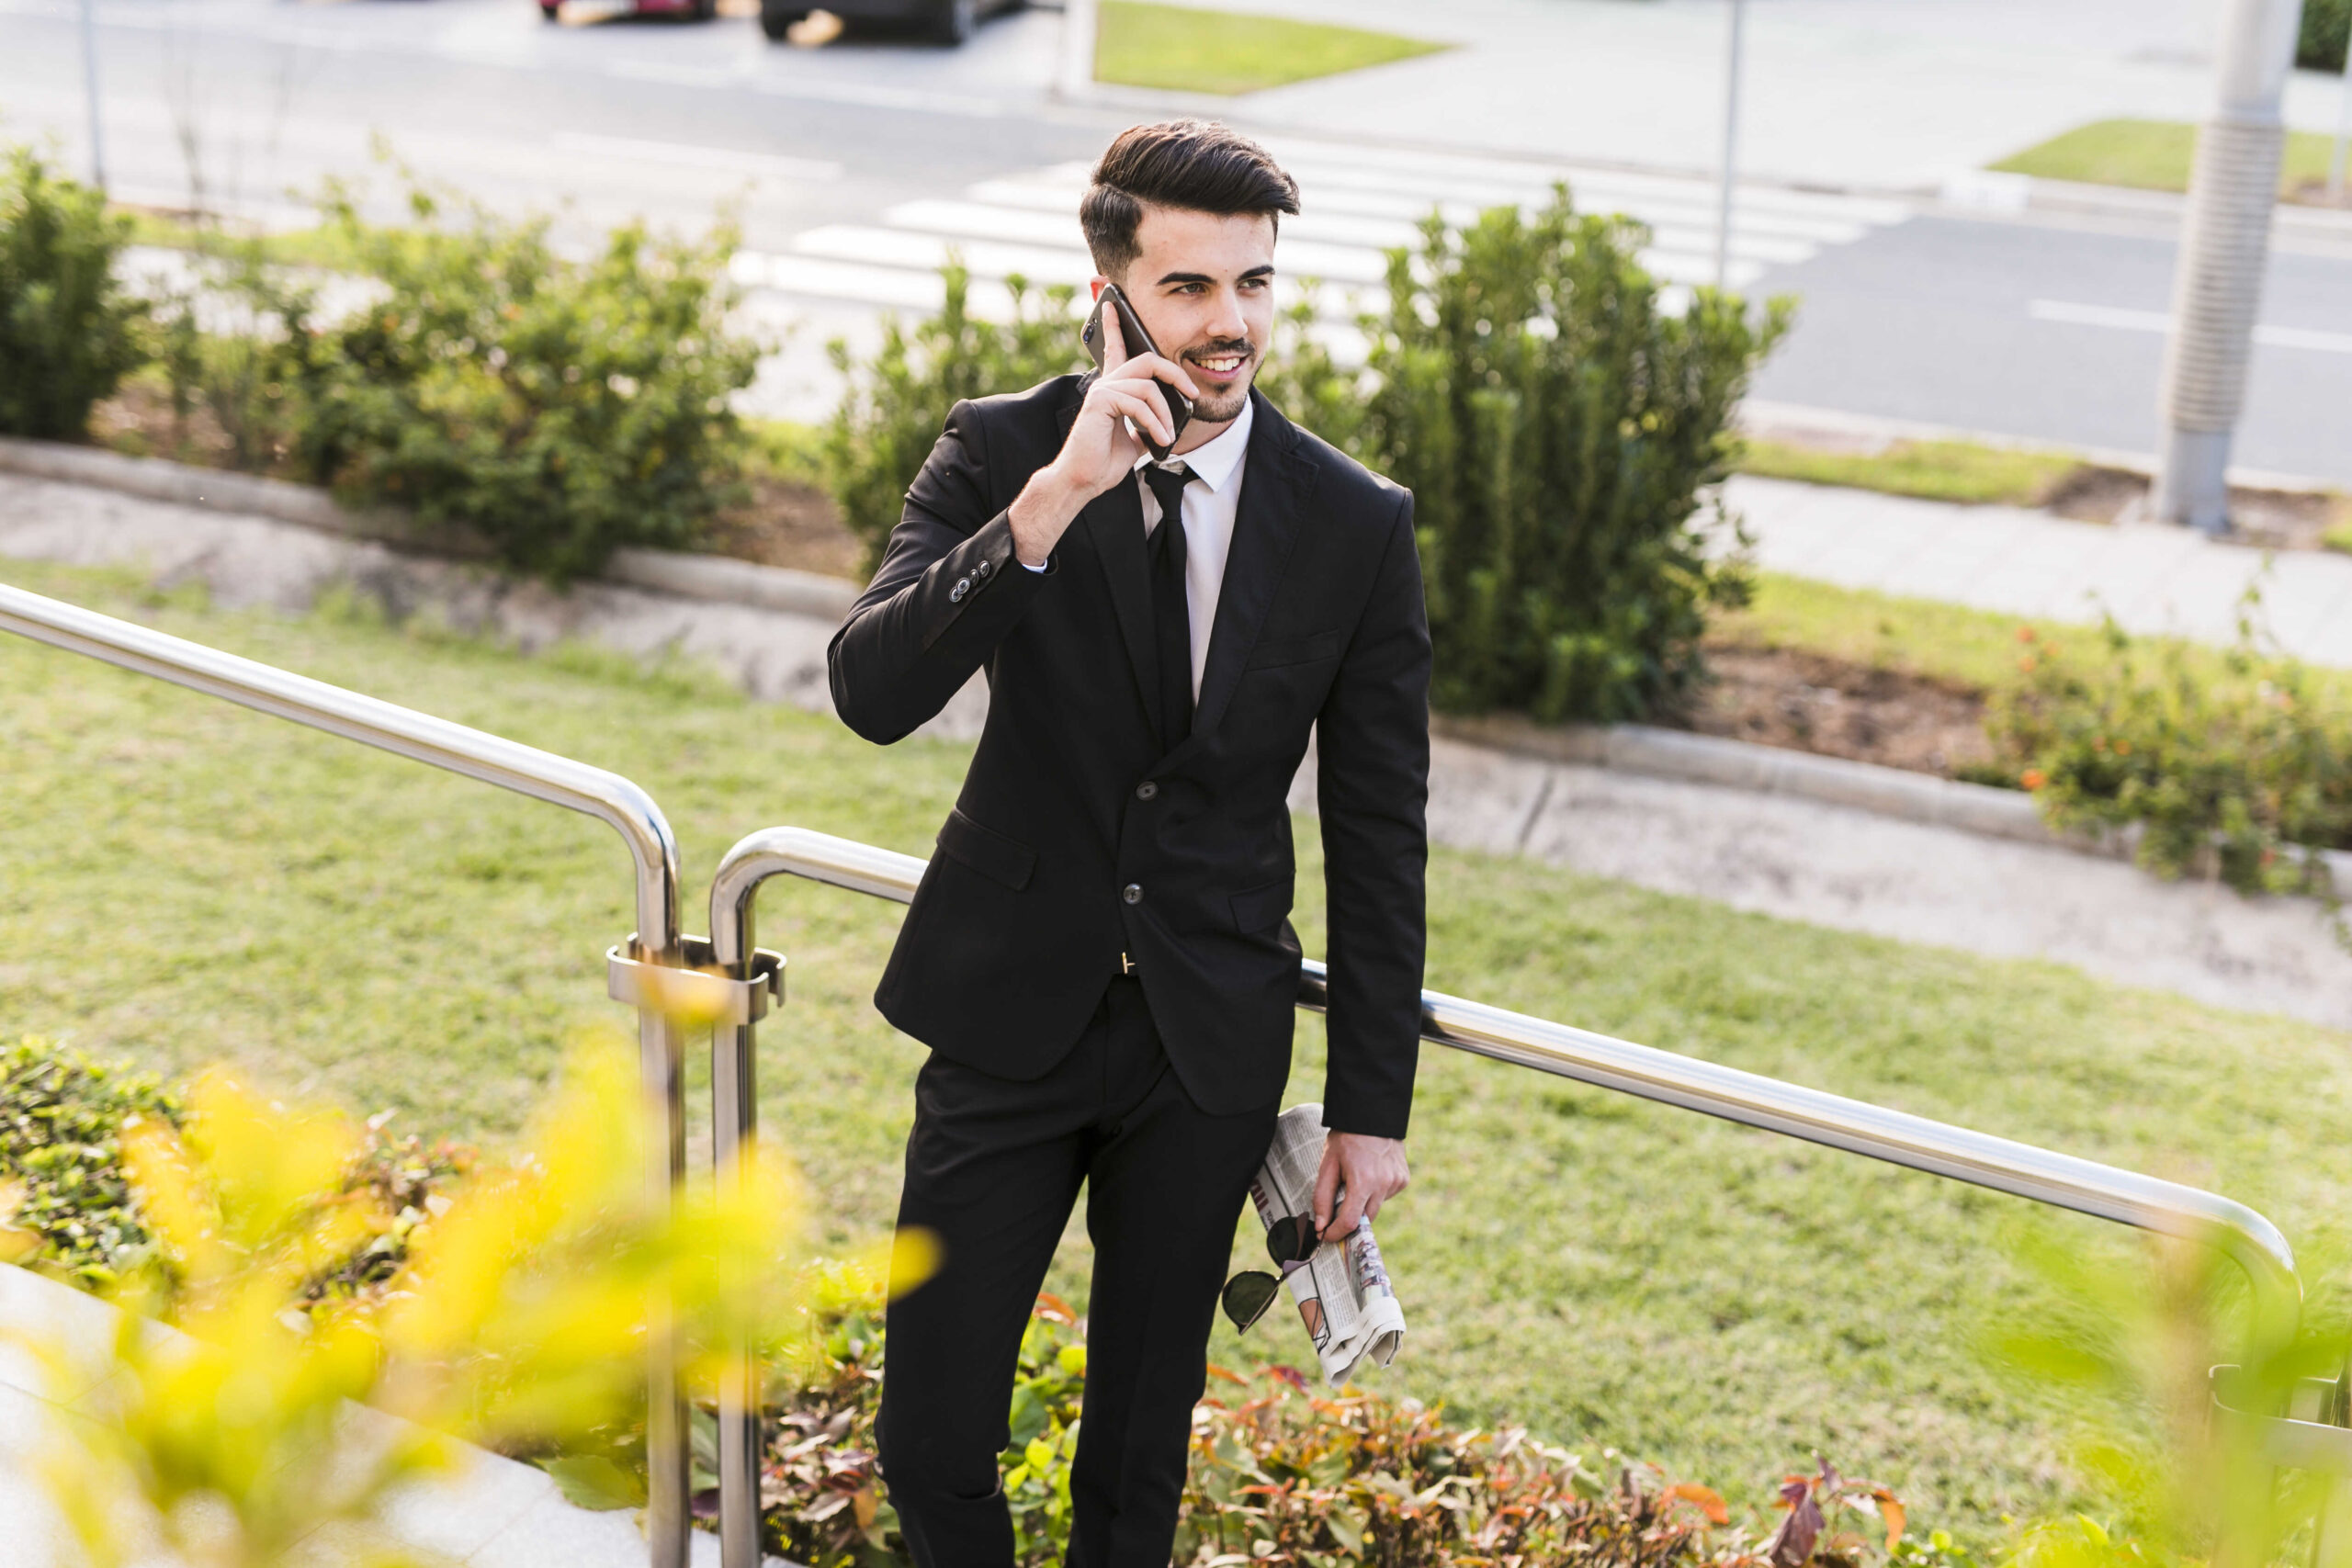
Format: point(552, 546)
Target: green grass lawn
point(187, 881)
point(2155, 154)
point(1961, 472)
point(1920, 636)
point(1198, 51)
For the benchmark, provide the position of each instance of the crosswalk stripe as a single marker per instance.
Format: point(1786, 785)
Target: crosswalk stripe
point(1382, 220)
point(1362, 203)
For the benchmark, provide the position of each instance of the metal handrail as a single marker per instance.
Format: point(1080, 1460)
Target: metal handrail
point(1898, 1137)
point(653, 852)
point(2042, 1175)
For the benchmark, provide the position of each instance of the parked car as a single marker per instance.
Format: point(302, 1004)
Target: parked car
point(694, 10)
point(949, 21)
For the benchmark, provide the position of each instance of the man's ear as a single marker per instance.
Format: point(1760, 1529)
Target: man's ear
point(1095, 285)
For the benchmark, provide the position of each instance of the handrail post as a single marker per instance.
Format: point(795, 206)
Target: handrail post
point(735, 1113)
point(661, 1063)
point(734, 1108)
point(491, 759)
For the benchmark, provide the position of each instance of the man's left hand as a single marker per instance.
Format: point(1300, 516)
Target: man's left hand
point(1371, 1170)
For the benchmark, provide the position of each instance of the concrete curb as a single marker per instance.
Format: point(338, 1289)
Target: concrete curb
point(716, 579)
point(1768, 421)
point(1895, 793)
point(1771, 769)
point(1997, 191)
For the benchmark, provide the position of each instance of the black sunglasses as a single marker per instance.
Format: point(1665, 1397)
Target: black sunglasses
point(1246, 1296)
point(1291, 1239)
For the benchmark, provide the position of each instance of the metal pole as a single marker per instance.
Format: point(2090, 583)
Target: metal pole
point(734, 1112)
point(2225, 244)
point(2343, 132)
point(1081, 22)
point(1731, 143)
point(607, 796)
point(90, 92)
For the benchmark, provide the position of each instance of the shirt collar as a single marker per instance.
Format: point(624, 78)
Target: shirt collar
point(1216, 460)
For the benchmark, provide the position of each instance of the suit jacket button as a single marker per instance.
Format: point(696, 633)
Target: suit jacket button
point(1132, 891)
point(1146, 790)
point(981, 571)
point(963, 586)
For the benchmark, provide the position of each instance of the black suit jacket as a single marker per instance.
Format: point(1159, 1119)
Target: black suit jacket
point(1075, 840)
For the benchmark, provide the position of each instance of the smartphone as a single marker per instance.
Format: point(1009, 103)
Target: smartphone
point(1137, 341)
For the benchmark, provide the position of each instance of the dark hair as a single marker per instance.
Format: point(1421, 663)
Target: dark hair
point(1199, 166)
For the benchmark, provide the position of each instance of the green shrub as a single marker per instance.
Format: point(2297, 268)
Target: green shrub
point(559, 408)
point(2327, 33)
point(257, 381)
point(2235, 775)
point(69, 333)
point(1557, 428)
point(890, 415)
point(62, 1118)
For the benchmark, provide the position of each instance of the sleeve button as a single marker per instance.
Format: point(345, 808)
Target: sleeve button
point(1146, 790)
point(981, 572)
point(1132, 893)
point(963, 586)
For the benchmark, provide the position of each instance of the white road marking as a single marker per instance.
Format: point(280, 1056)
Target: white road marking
point(1362, 203)
point(2160, 322)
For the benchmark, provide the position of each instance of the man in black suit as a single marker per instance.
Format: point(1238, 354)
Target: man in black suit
point(1099, 955)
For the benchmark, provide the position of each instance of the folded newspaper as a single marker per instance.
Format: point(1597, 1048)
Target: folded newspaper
point(1342, 1290)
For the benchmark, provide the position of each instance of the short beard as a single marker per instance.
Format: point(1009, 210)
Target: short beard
point(1212, 410)
point(1209, 407)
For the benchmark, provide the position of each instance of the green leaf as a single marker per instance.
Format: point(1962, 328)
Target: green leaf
point(1028, 1415)
point(592, 1481)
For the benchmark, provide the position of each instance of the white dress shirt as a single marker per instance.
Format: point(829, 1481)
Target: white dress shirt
point(1211, 503)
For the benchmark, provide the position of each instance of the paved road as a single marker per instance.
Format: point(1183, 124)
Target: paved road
point(856, 167)
point(2055, 333)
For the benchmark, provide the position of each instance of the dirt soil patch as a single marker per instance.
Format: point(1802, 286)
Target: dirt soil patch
point(2093, 494)
point(2272, 518)
point(1807, 702)
point(788, 523)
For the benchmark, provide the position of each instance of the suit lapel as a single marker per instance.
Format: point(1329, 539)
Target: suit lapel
point(1113, 524)
point(1275, 482)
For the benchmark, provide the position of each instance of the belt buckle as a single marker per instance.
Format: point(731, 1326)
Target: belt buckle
point(1126, 964)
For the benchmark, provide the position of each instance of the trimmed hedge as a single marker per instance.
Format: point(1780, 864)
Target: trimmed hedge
point(1559, 428)
point(69, 332)
point(890, 415)
point(2326, 35)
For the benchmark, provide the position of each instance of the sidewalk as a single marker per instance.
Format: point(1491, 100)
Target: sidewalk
point(1850, 94)
point(485, 1512)
point(2153, 578)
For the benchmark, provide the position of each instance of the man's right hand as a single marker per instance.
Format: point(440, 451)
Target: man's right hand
point(1099, 450)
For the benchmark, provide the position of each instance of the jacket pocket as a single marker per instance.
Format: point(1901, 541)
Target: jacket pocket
point(986, 850)
point(1293, 650)
point(1258, 908)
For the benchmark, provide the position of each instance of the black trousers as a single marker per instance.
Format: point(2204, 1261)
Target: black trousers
point(993, 1167)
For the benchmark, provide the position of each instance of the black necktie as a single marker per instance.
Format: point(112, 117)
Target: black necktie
point(1170, 611)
